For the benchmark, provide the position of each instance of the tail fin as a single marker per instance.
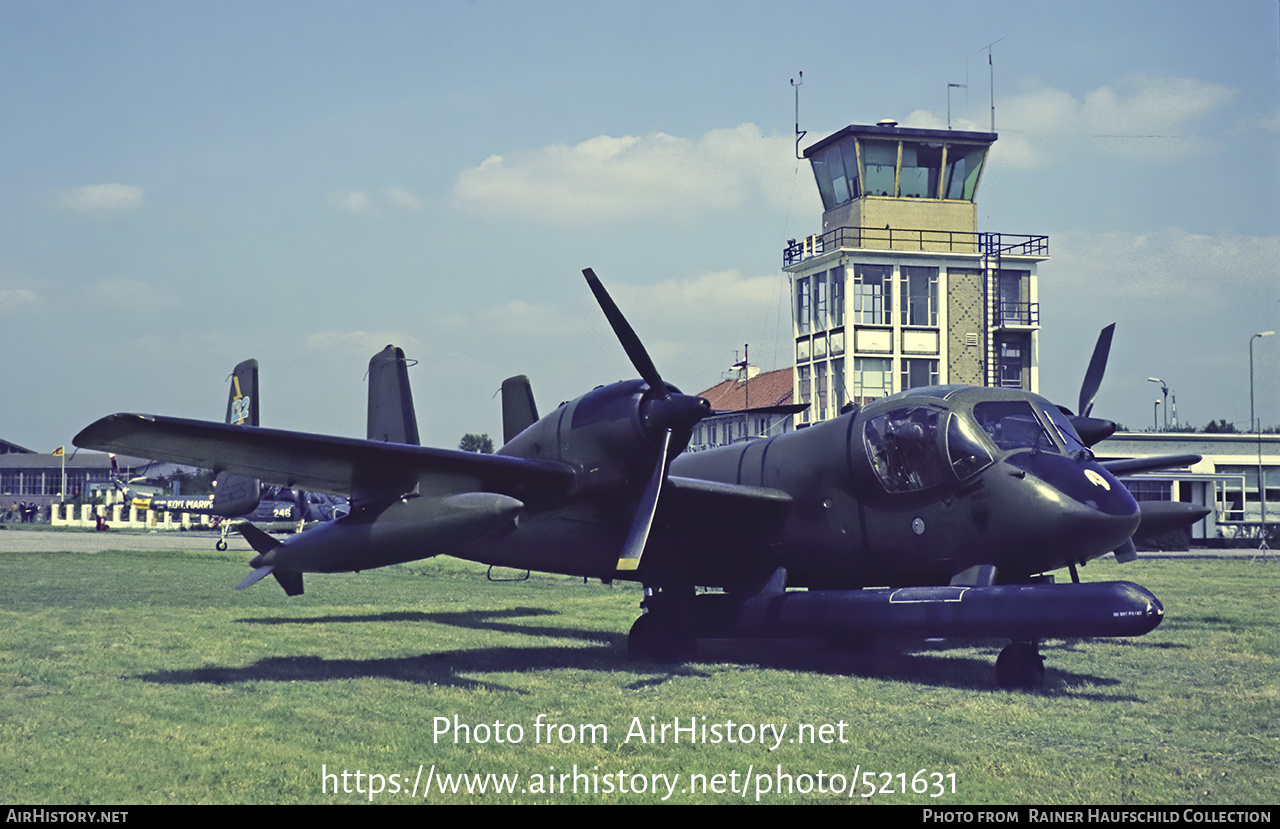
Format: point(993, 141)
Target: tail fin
point(242, 403)
point(391, 416)
point(519, 412)
point(234, 494)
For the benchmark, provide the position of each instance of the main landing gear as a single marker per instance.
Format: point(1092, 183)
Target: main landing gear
point(1020, 666)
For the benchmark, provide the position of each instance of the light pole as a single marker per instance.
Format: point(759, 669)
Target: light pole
point(1164, 389)
point(1155, 416)
point(1262, 485)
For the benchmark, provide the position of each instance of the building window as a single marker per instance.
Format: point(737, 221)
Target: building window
point(837, 385)
point(881, 161)
point(1015, 360)
point(917, 373)
point(1015, 305)
point(820, 391)
point(802, 380)
point(820, 301)
point(964, 163)
point(920, 296)
point(872, 378)
point(836, 171)
point(837, 296)
point(871, 288)
point(921, 170)
point(802, 304)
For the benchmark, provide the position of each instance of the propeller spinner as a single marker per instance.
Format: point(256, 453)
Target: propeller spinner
point(663, 410)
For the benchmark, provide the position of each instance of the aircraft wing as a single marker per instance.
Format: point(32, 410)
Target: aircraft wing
point(320, 462)
point(705, 529)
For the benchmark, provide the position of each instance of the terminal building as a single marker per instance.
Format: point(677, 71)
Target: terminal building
point(900, 289)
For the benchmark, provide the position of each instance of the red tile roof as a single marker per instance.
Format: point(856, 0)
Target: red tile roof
point(771, 388)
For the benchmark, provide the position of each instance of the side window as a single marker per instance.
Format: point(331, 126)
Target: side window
point(905, 448)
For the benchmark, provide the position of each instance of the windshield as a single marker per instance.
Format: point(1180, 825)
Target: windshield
point(1012, 424)
point(1065, 430)
point(965, 447)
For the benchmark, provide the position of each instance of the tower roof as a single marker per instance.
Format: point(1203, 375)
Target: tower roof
point(895, 132)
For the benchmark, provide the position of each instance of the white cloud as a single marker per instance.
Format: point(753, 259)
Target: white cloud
point(13, 299)
point(608, 178)
point(401, 198)
point(101, 200)
point(351, 201)
point(1196, 274)
point(1139, 117)
point(360, 202)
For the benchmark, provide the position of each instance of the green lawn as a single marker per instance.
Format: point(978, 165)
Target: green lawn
point(144, 678)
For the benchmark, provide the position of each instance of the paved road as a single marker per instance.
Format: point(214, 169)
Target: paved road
point(14, 540)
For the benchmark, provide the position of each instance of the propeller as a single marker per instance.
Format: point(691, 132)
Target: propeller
point(1097, 367)
point(1093, 429)
point(663, 411)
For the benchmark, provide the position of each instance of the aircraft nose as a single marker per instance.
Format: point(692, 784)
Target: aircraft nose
point(1082, 510)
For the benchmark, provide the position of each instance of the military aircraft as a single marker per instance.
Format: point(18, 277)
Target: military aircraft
point(934, 513)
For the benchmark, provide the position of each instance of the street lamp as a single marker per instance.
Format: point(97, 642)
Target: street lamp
point(1164, 389)
point(1262, 485)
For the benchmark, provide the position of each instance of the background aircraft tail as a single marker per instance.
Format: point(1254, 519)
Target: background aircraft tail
point(519, 412)
point(391, 416)
point(234, 494)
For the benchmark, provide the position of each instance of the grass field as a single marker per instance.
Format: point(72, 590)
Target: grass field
point(144, 678)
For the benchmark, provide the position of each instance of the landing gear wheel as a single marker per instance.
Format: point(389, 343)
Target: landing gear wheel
point(1020, 665)
point(221, 546)
point(654, 639)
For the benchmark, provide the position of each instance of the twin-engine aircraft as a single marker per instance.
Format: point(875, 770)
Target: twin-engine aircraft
point(932, 513)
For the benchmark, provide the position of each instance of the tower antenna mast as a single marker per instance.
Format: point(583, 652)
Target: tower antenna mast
point(991, 71)
point(800, 134)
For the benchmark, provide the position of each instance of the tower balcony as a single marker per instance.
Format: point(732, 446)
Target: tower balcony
point(991, 245)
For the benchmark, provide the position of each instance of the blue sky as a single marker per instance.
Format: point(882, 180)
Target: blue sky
point(192, 183)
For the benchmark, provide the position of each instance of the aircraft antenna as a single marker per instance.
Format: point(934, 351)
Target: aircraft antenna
point(800, 134)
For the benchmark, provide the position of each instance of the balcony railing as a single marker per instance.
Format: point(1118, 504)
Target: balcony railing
point(1017, 313)
point(941, 241)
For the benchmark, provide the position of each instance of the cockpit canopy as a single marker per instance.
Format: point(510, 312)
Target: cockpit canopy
point(920, 444)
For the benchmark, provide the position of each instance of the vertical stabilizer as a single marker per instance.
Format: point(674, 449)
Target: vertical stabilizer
point(391, 417)
point(519, 412)
point(234, 494)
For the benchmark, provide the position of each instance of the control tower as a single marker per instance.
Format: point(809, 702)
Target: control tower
point(900, 289)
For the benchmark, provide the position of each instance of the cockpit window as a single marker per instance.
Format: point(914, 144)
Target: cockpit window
point(1065, 430)
point(1012, 424)
point(905, 449)
point(965, 447)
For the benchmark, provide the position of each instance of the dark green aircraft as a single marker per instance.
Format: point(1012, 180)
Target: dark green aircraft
point(932, 513)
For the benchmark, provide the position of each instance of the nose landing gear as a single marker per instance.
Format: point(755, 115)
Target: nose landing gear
point(1020, 666)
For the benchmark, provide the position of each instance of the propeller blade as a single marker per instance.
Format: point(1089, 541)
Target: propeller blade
point(1097, 366)
point(638, 536)
point(626, 335)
